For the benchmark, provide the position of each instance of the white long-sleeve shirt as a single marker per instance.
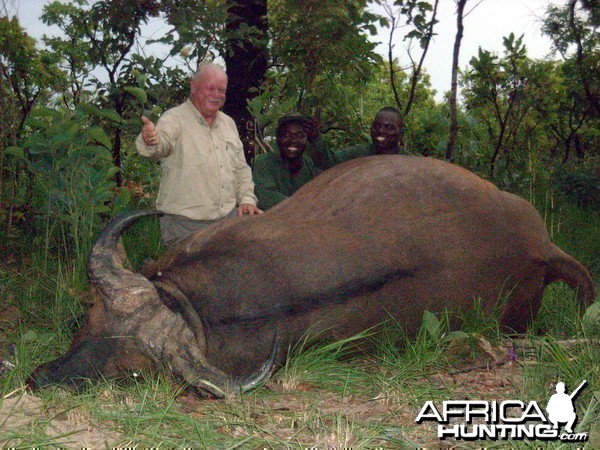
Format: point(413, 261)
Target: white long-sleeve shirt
point(204, 171)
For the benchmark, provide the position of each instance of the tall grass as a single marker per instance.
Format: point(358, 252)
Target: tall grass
point(576, 231)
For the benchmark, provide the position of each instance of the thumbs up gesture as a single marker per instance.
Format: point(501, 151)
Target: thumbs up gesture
point(149, 132)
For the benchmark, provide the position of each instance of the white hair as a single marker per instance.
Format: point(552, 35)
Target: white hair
point(203, 67)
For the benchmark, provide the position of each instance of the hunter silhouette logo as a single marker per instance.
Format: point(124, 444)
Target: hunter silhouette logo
point(504, 420)
point(560, 407)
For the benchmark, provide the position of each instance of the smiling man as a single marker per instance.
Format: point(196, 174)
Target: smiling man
point(205, 177)
point(277, 175)
point(385, 135)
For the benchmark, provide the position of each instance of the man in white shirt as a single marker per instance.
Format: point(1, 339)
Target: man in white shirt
point(204, 171)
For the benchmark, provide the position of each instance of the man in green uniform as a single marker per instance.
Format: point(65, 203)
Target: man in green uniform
point(277, 175)
point(385, 134)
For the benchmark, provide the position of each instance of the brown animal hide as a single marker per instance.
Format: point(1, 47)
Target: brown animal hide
point(372, 239)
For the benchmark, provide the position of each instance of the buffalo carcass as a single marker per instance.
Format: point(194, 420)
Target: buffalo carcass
point(374, 238)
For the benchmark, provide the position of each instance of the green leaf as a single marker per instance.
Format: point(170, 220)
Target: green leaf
point(111, 172)
point(47, 112)
point(29, 336)
point(34, 122)
point(121, 201)
point(431, 324)
point(591, 319)
point(97, 151)
point(456, 336)
point(138, 93)
point(110, 114)
point(98, 134)
point(15, 151)
point(89, 109)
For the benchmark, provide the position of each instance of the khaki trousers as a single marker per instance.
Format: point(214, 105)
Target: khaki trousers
point(174, 228)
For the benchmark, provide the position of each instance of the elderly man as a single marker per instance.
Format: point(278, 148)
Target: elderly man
point(204, 172)
point(279, 174)
point(385, 134)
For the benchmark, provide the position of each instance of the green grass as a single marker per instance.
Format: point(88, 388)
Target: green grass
point(333, 395)
point(143, 241)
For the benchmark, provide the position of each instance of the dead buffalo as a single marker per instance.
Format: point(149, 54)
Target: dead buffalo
point(369, 239)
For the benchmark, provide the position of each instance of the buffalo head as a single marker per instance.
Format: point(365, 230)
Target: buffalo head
point(139, 325)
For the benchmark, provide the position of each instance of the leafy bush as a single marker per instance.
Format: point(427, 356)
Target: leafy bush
point(73, 189)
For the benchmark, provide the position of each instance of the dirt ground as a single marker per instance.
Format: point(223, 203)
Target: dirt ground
point(24, 410)
point(21, 410)
point(499, 380)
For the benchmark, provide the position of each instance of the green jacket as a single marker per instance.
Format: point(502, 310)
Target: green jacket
point(273, 181)
point(325, 158)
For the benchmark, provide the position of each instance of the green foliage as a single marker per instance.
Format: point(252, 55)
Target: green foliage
point(575, 230)
point(200, 26)
point(102, 36)
point(317, 364)
point(426, 132)
point(313, 38)
point(522, 113)
point(74, 189)
point(580, 185)
point(565, 29)
point(142, 241)
point(26, 76)
point(532, 114)
point(591, 320)
point(321, 61)
point(66, 109)
point(416, 13)
point(494, 92)
point(99, 35)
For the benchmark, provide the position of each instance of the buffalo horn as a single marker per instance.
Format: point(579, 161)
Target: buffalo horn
point(124, 292)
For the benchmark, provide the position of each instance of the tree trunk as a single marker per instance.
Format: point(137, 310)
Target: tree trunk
point(579, 149)
point(116, 153)
point(416, 67)
point(246, 63)
point(460, 7)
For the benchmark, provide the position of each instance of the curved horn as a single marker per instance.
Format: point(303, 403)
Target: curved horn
point(265, 371)
point(122, 291)
point(215, 382)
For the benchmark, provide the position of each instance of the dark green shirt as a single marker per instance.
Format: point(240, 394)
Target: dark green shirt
point(325, 158)
point(273, 181)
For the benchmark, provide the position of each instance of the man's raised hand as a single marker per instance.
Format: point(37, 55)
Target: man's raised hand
point(149, 132)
